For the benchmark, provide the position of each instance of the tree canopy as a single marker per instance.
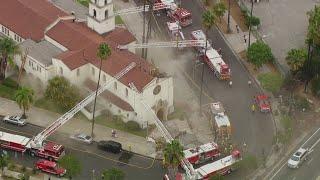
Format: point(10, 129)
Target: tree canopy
point(8, 48)
point(313, 35)
point(24, 97)
point(71, 164)
point(296, 59)
point(259, 53)
point(208, 19)
point(219, 9)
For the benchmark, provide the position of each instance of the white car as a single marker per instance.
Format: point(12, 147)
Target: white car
point(82, 137)
point(298, 157)
point(17, 120)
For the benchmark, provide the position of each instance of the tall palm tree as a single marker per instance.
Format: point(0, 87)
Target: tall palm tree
point(24, 97)
point(4, 161)
point(113, 174)
point(173, 153)
point(104, 51)
point(8, 48)
point(208, 21)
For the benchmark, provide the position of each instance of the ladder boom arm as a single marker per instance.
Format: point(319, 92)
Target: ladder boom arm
point(138, 9)
point(38, 139)
point(168, 44)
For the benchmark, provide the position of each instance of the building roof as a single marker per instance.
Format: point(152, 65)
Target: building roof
point(28, 18)
point(83, 44)
point(42, 51)
point(112, 98)
point(79, 10)
point(121, 36)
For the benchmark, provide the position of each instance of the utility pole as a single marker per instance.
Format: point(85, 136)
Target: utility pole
point(250, 24)
point(144, 26)
point(229, 8)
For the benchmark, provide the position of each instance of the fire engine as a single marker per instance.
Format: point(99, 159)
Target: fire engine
point(212, 58)
point(263, 103)
point(222, 166)
point(202, 153)
point(174, 30)
point(181, 15)
point(50, 150)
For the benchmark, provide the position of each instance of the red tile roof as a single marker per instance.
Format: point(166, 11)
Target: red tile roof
point(108, 95)
point(76, 35)
point(28, 18)
point(120, 35)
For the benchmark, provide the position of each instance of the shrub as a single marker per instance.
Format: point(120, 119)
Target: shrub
point(255, 21)
point(133, 126)
point(315, 86)
point(23, 169)
point(302, 103)
point(259, 53)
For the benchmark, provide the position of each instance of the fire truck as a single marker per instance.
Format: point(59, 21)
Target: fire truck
point(181, 15)
point(174, 30)
point(50, 150)
point(212, 58)
point(222, 166)
point(202, 153)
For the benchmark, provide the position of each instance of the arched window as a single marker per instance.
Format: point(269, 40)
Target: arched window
point(95, 1)
point(105, 2)
point(94, 13)
point(106, 14)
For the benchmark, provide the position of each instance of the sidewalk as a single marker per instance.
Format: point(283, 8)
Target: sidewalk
point(43, 118)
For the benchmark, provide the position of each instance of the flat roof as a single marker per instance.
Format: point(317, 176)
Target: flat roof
point(14, 138)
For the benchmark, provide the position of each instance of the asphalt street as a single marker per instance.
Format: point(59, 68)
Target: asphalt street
point(91, 158)
point(256, 130)
point(309, 169)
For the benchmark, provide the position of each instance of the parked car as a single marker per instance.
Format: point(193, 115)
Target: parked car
point(50, 167)
point(298, 157)
point(110, 146)
point(17, 120)
point(82, 137)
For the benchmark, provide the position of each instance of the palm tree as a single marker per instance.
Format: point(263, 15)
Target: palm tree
point(173, 153)
point(8, 48)
point(24, 97)
point(208, 20)
point(104, 51)
point(113, 174)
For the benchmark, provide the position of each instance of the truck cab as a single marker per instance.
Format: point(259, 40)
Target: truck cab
point(50, 150)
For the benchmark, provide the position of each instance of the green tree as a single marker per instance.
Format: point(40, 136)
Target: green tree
point(208, 20)
point(104, 51)
point(4, 161)
point(259, 53)
point(295, 59)
point(71, 164)
point(313, 35)
point(113, 174)
point(219, 9)
point(24, 97)
point(8, 48)
point(173, 153)
point(61, 92)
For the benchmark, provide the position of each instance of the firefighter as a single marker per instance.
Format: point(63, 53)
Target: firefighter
point(253, 108)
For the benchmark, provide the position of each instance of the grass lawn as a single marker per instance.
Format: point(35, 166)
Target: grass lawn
point(119, 20)
point(8, 88)
point(84, 2)
point(120, 125)
point(271, 82)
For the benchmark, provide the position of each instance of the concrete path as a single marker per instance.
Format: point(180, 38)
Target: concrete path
point(43, 118)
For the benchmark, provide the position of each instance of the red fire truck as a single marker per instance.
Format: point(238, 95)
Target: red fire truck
point(176, 14)
point(222, 166)
point(212, 58)
point(202, 153)
point(263, 103)
point(20, 143)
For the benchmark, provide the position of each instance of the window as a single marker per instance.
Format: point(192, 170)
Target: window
point(78, 72)
point(40, 69)
point(15, 37)
point(115, 85)
point(105, 2)
point(127, 115)
point(106, 14)
point(30, 63)
point(127, 92)
point(119, 111)
point(95, 1)
point(92, 70)
point(2, 29)
point(61, 71)
point(157, 90)
point(94, 13)
point(104, 78)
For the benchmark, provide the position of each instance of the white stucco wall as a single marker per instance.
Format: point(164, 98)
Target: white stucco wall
point(9, 33)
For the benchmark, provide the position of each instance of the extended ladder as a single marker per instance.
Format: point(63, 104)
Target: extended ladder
point(138, 9)
point(167, 44)
point(38, 139)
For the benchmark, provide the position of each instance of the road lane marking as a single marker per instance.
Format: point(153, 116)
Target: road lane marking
point(92, 153)
point(309, 161)
point(315, 144)
point(300, 146)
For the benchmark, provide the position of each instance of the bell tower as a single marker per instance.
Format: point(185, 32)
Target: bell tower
point(101, 18)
